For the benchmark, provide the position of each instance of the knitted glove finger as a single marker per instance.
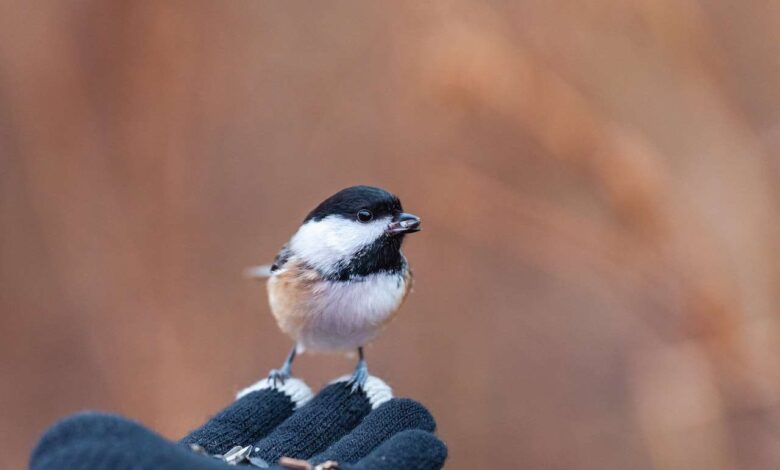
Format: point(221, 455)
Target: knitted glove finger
point(392, 417)
point(256, 412)
point(411, 450)
point(80, 426)
point(135, 447)
point(328, 417)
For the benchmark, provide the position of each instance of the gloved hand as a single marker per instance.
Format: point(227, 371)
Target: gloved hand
point(278, 427)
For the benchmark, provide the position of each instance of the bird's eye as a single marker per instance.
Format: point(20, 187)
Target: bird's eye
point(364, 215)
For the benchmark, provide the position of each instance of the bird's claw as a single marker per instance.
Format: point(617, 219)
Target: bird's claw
point(278, 376)
point(359, 377)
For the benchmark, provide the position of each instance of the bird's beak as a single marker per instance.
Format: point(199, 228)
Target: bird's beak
point(403, 223)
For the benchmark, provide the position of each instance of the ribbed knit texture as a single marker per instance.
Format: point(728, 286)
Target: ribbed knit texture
point(81, 426)
point(390, 418)
point(74, 444)
point(335, 425)
point(330, 415)
point(83, 456)
point(244, 422)
point(410, 450)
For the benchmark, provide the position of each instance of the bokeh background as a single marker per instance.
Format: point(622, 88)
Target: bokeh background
point(597, 281)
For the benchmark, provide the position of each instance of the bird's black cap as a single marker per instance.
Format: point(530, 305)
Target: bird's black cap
point(349, 201)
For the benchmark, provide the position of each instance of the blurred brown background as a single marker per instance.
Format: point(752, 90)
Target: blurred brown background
point(597, 279)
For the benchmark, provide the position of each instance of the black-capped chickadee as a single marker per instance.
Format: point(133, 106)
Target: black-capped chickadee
point(342, 276)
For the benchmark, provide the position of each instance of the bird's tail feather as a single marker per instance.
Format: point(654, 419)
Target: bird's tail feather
point(258, 272)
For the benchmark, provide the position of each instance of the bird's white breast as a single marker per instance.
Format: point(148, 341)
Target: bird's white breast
point(348, 314)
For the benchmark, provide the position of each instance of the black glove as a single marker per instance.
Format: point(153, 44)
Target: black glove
point(280, 427)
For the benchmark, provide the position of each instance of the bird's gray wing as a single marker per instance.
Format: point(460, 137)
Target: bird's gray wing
point(281, 259)
point(266, 270)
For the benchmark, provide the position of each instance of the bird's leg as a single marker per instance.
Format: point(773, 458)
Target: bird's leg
point(285, 372)
point(360, 375)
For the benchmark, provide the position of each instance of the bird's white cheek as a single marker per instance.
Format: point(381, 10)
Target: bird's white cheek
point(326, 242)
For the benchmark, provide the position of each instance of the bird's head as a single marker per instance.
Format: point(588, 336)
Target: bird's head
point(357, 231)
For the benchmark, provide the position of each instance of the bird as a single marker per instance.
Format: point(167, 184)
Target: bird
point(341, 277)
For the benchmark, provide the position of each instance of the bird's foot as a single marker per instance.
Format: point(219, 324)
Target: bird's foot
point(359, 376)
point(278, 376)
